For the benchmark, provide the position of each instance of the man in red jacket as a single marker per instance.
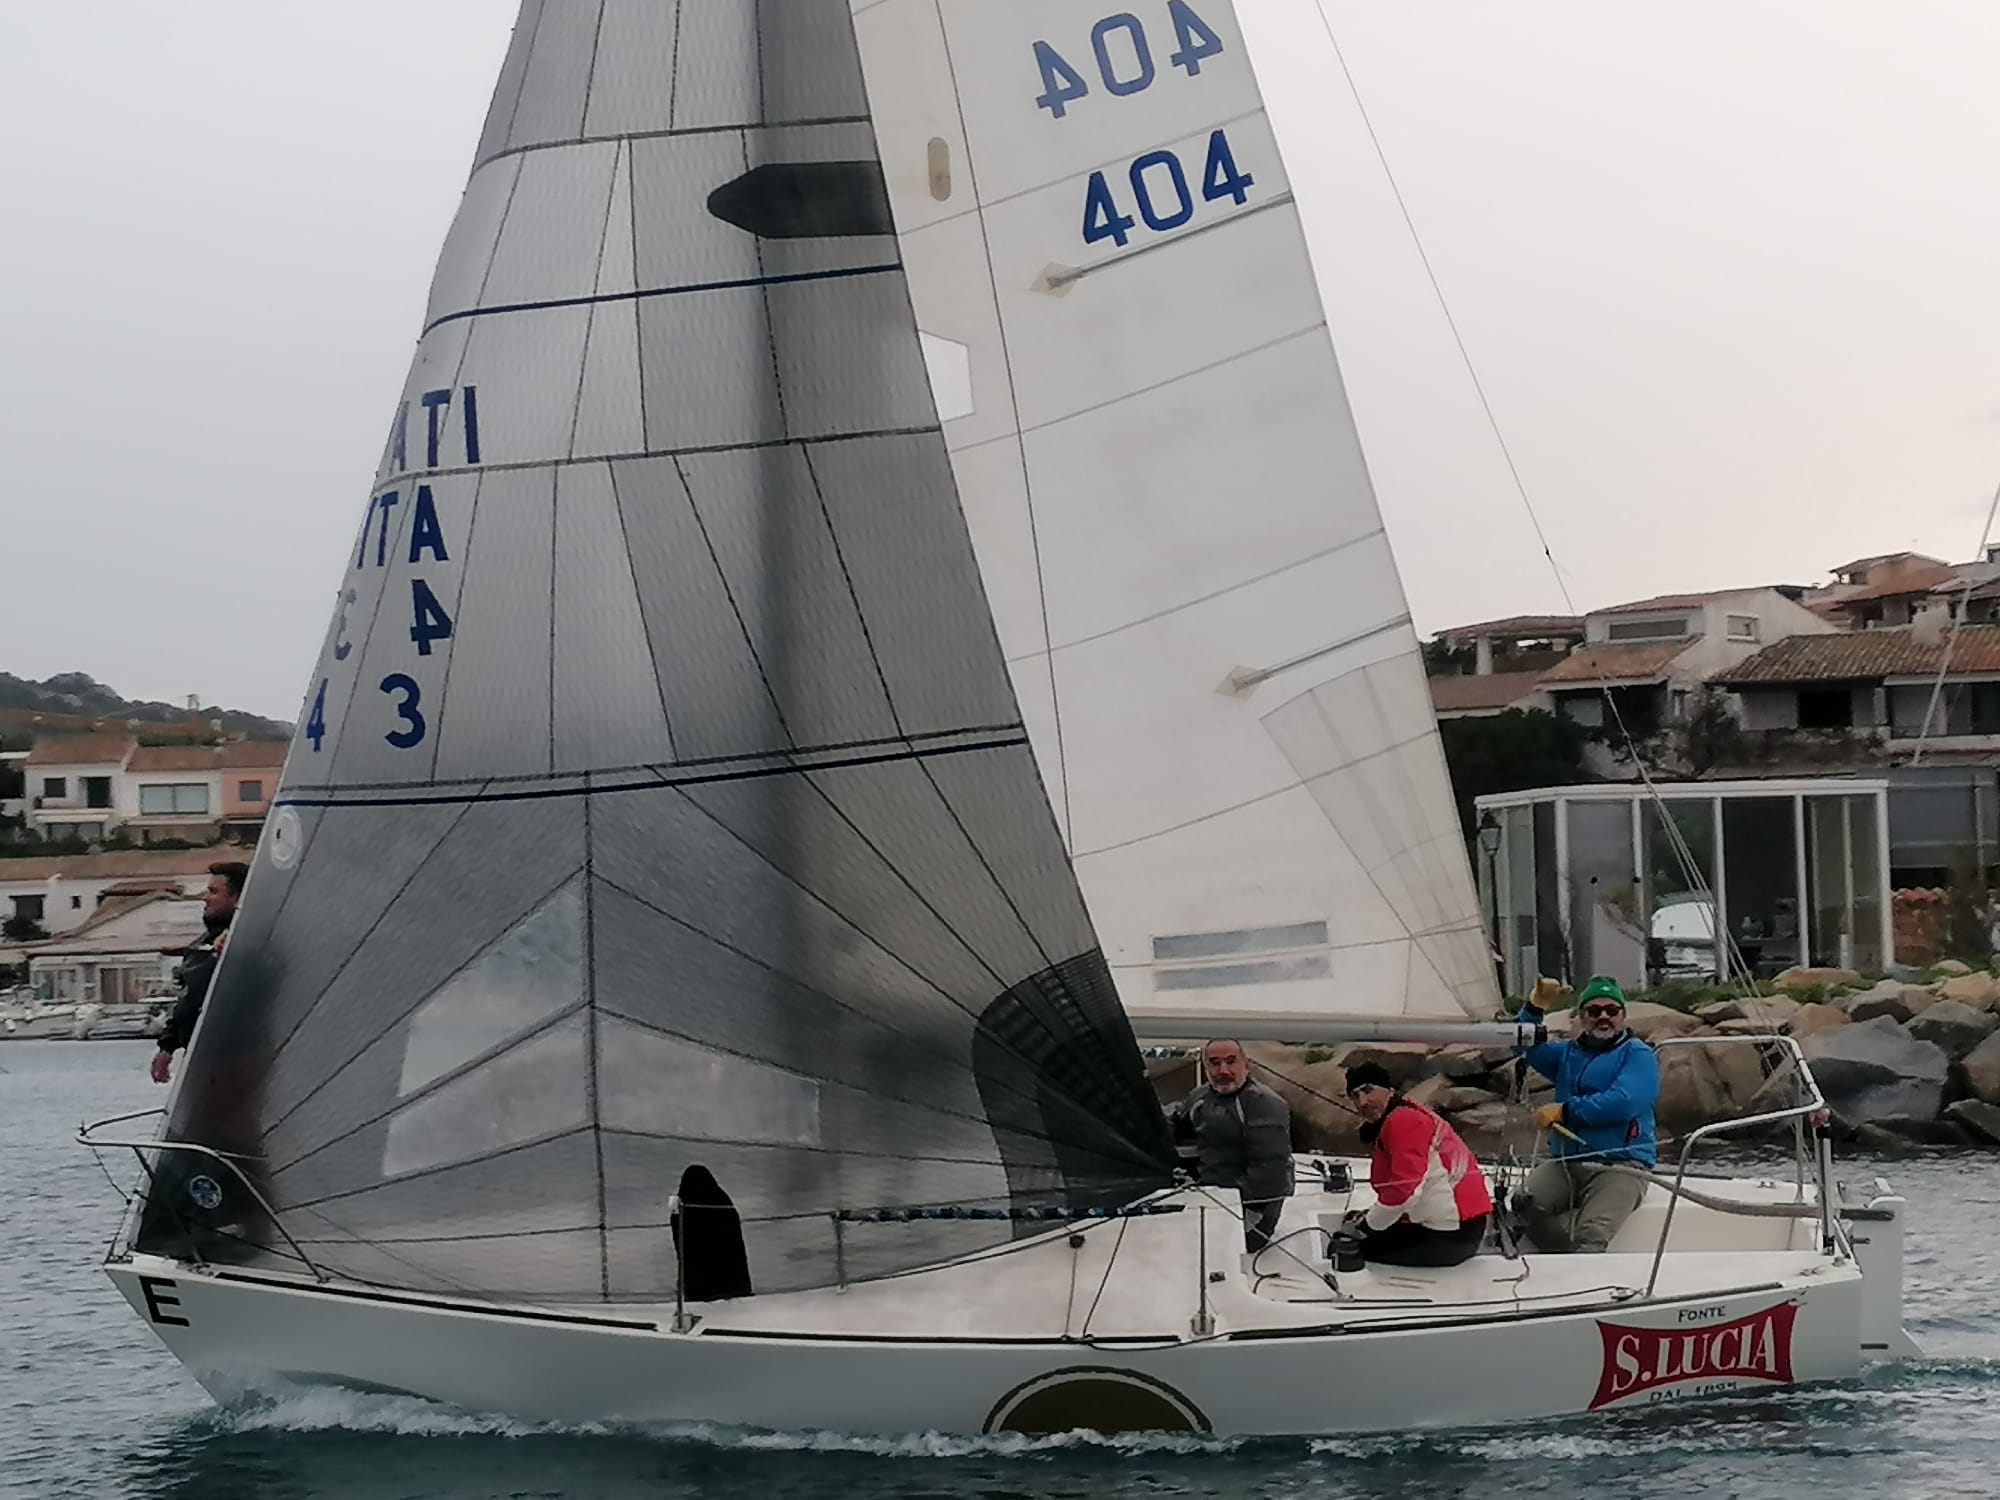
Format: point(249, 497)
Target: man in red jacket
point(1431, 1203)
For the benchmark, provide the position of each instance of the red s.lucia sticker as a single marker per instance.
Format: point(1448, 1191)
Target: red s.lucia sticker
point(1638, 1360)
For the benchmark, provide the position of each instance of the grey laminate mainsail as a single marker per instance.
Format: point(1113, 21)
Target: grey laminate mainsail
point(661, 799)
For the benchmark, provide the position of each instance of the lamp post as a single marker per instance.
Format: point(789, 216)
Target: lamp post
point(1489, 843)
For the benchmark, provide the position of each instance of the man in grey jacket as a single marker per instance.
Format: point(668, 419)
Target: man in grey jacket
point(1242, 1133)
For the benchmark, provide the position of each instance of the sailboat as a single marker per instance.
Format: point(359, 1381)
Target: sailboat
point(871, 600)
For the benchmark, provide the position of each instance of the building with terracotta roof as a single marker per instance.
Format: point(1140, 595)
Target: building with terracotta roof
point(1648, 657)
point(126, 952)
point(90, 787)
point(62, 892)
point(1880, 683)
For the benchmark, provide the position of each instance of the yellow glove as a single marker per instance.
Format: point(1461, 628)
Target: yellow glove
point(1548, 1116)
point(1546, 993)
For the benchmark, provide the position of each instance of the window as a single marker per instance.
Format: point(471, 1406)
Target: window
point(96, 791)
point(56, 787)
point(1647, 630)
point(28, 908)
point(166, 800)
point(76, 903)
point(1826, 708)
point(249, 791)
point(1743, 627)
point(1585, 709)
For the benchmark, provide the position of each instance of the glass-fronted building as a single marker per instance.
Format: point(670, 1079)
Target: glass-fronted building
point(1640, 882)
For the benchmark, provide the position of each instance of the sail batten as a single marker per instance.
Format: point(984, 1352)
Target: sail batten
point(662, 805)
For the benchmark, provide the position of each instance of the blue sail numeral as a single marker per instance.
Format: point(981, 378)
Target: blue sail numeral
point(1165, 203)
point(428, 621)
point(1063, 85)
point(1101, 219)
point(1198, 40)
point(1183, 209)
point(316, 720)
point(412, 734)
point(1222, 180)
point(1100, 38)
point(1062, 82)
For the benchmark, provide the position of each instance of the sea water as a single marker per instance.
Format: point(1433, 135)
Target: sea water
point(91, 1405)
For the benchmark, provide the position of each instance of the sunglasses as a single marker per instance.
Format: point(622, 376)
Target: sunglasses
point(1596, 1011)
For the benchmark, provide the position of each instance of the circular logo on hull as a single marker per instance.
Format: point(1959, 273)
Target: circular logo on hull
point(1096, 1399)
point(206, 1192)
point(286, 836)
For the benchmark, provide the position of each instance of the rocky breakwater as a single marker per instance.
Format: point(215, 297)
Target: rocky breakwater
point(1899, 1062)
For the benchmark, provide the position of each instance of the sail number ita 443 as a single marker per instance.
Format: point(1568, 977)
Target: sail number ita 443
point(421, 538)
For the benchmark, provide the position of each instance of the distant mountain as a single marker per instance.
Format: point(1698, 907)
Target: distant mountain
point(78, 697)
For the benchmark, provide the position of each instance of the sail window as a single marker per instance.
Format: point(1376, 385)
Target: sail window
point(657, 1085)
point(949, 365)
point(531, 973)
point(532, 1092)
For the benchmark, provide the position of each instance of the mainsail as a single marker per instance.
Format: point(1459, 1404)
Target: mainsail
point(1171, 508)
point(661, 801)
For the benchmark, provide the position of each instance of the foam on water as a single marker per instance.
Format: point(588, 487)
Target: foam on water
point(285, 1407)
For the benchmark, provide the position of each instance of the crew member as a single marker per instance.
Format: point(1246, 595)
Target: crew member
point(198, 960)
point(1600, 1126)
point(1243, 1137)
point(1431, 1204)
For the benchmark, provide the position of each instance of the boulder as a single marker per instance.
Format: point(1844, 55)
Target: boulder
point(1699, 1085)
point(1979, 1119)
point(1405, 1062)
point(1885, 999)
point(1810, 1018)
point(1896, 1133)
point(1750, 1028)
point(1978, 1072)
point(1952, 966)
point(1806, 979)
point(1322, 1119)
point(1457, 1063)
point(1954, 1027)
point(1493, 1124)
point(1650, 1022)
point(1874, 1070)
point(1440, 1093)
point(1980, 991)
point(1770, 1011)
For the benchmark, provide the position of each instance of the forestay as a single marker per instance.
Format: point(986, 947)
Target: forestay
point(660, 798)
point(1170, 506)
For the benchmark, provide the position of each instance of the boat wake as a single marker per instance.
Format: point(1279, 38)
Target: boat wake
point(286, 1408)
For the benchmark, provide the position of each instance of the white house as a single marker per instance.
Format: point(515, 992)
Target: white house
point(93, 786)
point(73, 785)
point(62, 892)
point(1653, 653)
point(127, 951)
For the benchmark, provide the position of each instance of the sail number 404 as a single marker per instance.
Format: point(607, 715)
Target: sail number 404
point(1124, 57)
point(1160, 192)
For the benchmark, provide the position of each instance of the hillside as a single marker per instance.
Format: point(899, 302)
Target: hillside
point(81, 703)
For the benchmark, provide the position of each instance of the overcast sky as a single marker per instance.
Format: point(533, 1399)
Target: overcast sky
point(1729, 271)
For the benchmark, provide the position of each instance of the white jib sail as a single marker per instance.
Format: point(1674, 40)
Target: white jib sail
point(1171, 508)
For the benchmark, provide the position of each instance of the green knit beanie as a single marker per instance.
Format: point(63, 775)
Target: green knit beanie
point(1601, 987)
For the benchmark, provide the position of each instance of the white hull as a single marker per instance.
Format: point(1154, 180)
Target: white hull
point(1016, 1343)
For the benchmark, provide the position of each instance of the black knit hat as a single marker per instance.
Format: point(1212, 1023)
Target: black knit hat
point(1362, 1074)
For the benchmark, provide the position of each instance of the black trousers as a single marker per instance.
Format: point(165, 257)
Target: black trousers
point(1260, 1221)
point(1408, 1244)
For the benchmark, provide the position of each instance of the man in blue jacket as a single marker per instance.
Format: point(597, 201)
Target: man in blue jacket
point(1600, 1126)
